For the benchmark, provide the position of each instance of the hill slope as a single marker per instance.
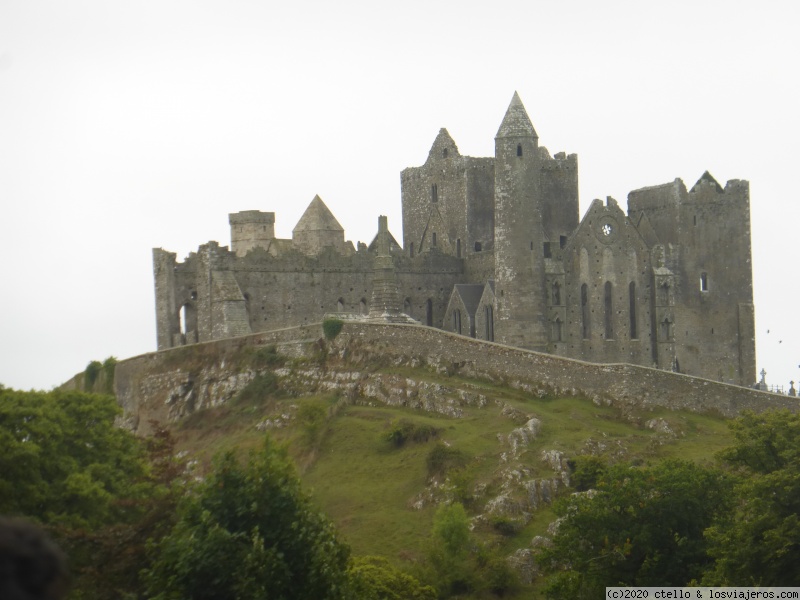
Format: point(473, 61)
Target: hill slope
point(502, 452)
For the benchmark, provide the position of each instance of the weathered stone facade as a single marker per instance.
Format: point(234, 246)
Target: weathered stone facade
point(494, 248)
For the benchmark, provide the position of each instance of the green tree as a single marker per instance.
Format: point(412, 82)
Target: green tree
point(641, 526)
point(760, 543)
point(107, 560)
point(63, 461)
point(449, 564)
point(248, 531)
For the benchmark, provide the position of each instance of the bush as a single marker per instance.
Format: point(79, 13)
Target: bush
point(500, 578)
point(403, 430)
point(443, 458)
point(331, 328)
point(109, 367)
point(91, 374)
point(585, 471)
point(373, 578)
point(260, 387)
point(506, 525)
point(267, 357)
point(312, 417)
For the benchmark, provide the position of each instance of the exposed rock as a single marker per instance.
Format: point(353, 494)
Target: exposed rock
point(520, 438)
point(523, 561)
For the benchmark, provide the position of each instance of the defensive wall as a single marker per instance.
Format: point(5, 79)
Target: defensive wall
point(168, 384)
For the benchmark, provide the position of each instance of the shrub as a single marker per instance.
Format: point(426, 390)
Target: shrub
point(91, 374)
point(403, 430)
point(267, 357)
point(260, 387)
point(506, 525)
point(312, 418)
point(500, 577)
point(373, 578)
point(443, 458)
point(585, 471)
point(109, 367)
point(331, 328)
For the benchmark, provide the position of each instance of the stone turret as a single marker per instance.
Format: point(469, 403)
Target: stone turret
point(251, 229)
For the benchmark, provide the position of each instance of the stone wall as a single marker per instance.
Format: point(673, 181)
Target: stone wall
point(166, 385)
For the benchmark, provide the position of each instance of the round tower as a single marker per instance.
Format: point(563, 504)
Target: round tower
point(518, 236)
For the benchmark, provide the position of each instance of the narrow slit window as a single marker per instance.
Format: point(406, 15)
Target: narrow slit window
point(519, 149)
point(556, 294)
point(609, 306)
point(703, 282)
point(585, 311)
point(632, 300)
point(434, 193)
point(489, 315)
point(548, 253)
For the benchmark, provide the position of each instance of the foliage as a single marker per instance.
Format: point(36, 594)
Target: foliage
point(373, 578)
point(259, 388)
point(449, 551)
point(443, 458)
point(267, 356)
point(643, 526)
point(405, 430)
point(585, 471)
point(91, 374)
point(451, 528)
point(62, 460)
point(248, 531)
point(506, 525)
point(109, 368)
point(107, 561)
point(312, 418)
point(760, 543)
point(331, 328)
point(499, 577)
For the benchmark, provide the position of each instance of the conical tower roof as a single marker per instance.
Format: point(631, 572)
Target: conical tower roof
point(516, 123)
point(317, 217)
point(708, 178)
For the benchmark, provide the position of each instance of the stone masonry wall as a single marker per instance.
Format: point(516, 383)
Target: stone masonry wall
point(166, 385)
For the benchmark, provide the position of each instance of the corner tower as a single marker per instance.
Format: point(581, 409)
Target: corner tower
point(518, 235)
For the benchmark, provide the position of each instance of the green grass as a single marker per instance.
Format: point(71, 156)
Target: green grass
point(367, 484)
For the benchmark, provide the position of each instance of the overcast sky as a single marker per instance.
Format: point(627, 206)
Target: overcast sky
point(131, 125)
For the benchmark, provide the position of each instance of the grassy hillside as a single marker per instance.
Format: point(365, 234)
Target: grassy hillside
point(383, 495)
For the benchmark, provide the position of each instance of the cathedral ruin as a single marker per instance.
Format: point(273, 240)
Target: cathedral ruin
point(494, 248)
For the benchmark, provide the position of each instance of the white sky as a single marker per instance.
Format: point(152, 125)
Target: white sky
point(131, 125)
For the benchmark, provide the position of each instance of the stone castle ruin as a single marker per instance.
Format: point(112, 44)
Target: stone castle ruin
point(494, 248)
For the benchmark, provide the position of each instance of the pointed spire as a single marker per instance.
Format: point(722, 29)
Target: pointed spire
point(708, 178)
point(317, 217)
point(516, 123)
point(443, 146)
